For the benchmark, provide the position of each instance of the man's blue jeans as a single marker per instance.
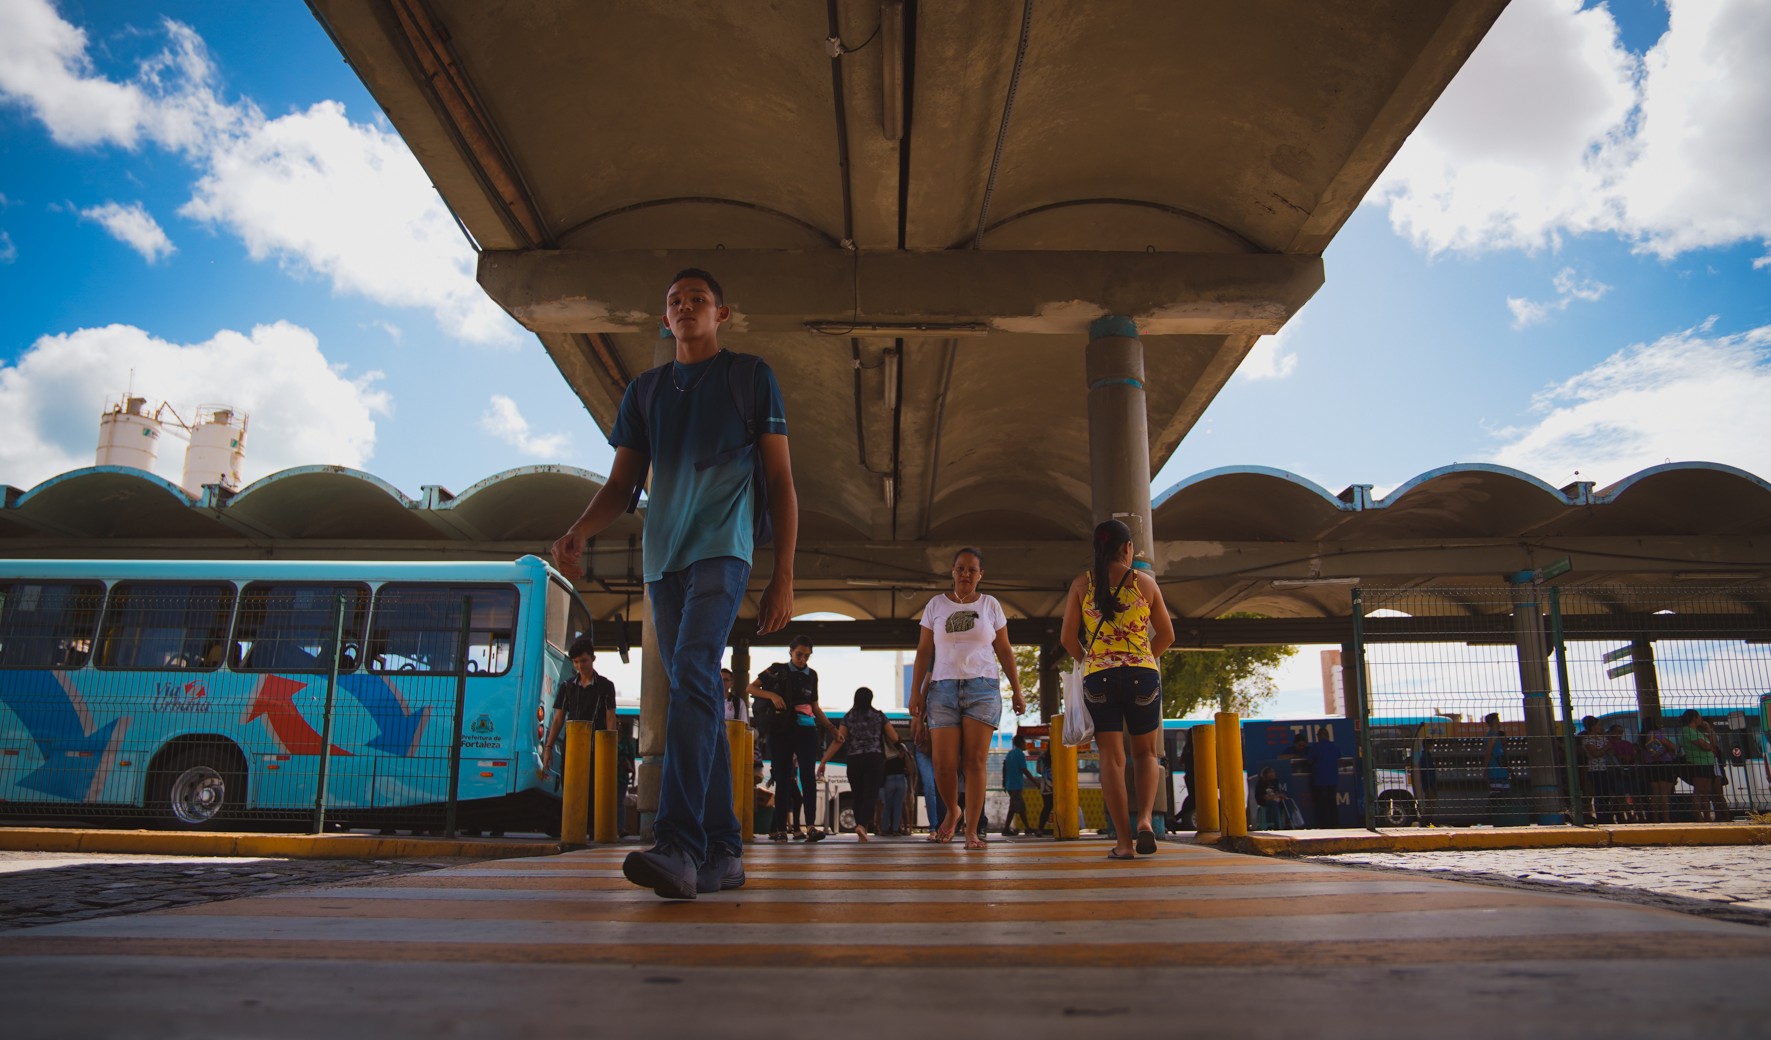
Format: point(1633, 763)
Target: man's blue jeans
point(692, 614)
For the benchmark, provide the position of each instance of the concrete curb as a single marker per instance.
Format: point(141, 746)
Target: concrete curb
point(1434, 839)
point(281, 846)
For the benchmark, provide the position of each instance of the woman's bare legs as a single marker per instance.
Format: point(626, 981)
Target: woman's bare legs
point(976, 750)
point(944, 748)
point(1143, 750)
point(1112, 750)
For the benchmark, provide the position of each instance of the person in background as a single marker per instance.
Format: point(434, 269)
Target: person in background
point(864, 731)
point(583, 696)
point(1015, 775)
point(1121, 608)
point(1045, 789)
point(1659, 758)
point(1702, 749)
point(896, 790)
point(1494, 758)
point(1626, 779)
point(1325, 779)
point(1424, 774)
point(1270, 797)
point(1595, 774)
point(737, 705)
point(791, 687)
point(963, 642)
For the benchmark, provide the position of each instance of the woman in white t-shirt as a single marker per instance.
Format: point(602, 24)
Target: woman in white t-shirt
point(964, 638)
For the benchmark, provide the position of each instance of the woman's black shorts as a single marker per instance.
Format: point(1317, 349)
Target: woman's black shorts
point(1125, 698)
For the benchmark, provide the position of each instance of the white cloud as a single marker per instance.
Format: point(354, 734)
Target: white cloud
point(1268, 358)
point(1553, 128)
point(347, 201)
point(394, 332)
point(1688, 396)
point(133, 226)
point(313, 190)
point(303, 409)
point(504, 421)
point(1569, 287)
point(8, 251)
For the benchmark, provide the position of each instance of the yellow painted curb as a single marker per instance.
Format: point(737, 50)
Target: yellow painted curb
point(1437, 839)
point(278, 846)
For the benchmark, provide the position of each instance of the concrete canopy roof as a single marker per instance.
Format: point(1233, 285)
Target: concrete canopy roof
point(1253, 539)
point(1183, 164)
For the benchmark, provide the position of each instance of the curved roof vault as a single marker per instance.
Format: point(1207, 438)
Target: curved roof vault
point(955, 208)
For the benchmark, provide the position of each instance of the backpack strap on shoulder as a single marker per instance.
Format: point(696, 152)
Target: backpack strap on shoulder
point(743, 387)
point(646, 388)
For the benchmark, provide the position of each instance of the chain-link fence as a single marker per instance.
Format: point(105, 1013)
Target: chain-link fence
point(204, 704)
point(1535, 704)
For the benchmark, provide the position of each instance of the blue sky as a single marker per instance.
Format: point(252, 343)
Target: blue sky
point(1566, 270)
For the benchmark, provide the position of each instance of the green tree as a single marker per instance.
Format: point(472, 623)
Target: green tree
point(1027, 663)
point(1237, 678)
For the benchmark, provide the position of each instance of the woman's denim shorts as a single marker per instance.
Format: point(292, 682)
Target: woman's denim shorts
point(950, 700)
point(1126, 698)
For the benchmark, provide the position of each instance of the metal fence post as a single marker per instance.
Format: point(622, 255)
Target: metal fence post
point(449, 827)
point(1359, 709)
point(326, 721)
point(1576, 810)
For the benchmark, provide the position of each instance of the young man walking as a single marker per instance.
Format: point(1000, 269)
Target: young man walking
point(697, 551)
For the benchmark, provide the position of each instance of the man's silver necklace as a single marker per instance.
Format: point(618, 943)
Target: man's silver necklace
point(697, 382)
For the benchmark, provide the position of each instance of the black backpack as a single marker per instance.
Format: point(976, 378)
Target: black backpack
point(742, 383)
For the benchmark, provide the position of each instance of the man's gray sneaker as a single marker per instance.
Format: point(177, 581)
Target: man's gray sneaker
point(721, 872)
point(663, 868)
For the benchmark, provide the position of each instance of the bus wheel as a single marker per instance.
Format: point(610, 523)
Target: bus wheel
point(198, 788)
point(1395, 809)
point(845, 815)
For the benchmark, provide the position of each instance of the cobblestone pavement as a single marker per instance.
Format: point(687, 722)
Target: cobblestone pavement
point(1730, 883)
point(44, 888)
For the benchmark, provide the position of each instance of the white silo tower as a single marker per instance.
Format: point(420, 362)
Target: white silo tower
point(217, 451)
point(128, 435)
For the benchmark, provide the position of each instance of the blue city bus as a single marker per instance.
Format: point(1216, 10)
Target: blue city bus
point(205, 694)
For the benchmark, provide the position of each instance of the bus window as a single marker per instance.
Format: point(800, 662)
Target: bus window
point(566, 617)
point(166, 626)
point(289, 628)
point(48, 624)
point(417, 627)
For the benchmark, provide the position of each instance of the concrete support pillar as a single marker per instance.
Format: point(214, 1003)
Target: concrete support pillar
point(1534, 683)
point(654, 714)
point(1051, 682)
point(1118, 430)
point(1647, 679)
point(648, 768)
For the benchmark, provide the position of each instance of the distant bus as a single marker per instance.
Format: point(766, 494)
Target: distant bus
point(195, 693)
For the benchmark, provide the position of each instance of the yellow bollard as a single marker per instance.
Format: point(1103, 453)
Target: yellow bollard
point(1205, 770)
point(608, 762)
point(1064, 794)
point(575, 786)
point(1232, 785)
point(734, 753)
point(747, 825)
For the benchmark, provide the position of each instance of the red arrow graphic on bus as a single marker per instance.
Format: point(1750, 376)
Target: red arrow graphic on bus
point(275, 700)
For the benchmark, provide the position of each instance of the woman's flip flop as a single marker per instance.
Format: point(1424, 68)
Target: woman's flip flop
point(1114, 854)
point(974, 844)
point(1146, 843)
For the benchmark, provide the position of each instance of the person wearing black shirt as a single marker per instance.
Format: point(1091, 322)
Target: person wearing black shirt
point(583, 696)
point(791, 689)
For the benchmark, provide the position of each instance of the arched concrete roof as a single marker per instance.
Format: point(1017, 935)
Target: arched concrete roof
point(110, 502)
point(1246, 502)
point(326, 502)
point(1464, 500)
point(1184, 165)
point(527, 504)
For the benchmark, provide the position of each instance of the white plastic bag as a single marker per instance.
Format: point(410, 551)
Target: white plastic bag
point(1079, 725)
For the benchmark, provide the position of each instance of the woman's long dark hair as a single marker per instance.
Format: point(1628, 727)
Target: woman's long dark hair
point(863, 700)
point(1109, 536)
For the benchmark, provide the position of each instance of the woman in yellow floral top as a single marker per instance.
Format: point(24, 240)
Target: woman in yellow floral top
point(1118, 609)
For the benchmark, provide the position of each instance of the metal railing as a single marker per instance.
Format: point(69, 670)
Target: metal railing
point(1534, 704)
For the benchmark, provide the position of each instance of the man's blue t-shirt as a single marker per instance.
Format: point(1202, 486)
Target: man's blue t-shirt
point(1325, 764)
point(696, 513)
point(1014, 766)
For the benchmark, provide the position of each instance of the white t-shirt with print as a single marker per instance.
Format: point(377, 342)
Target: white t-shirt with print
point(965, 636)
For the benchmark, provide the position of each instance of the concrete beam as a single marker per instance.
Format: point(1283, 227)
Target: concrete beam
point(1054, 293)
